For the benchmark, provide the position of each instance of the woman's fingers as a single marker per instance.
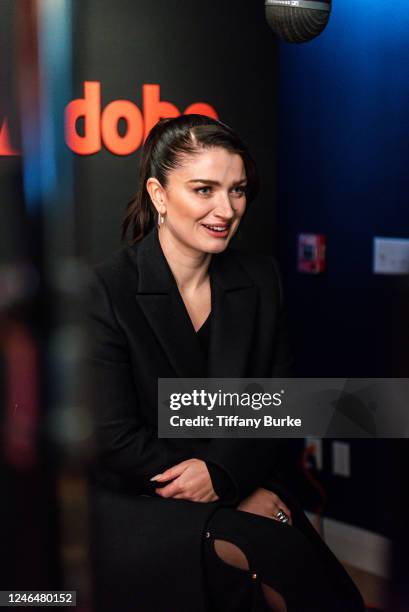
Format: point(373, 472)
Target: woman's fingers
point(265, 503)
point(190, 480)
point(170, 490)
point(172, 472)
point(177, 490)
point(280, 506)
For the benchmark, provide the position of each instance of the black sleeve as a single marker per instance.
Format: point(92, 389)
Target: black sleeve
point(247, 462)
point(125, 446)
point(222, 483)
point(250, 462)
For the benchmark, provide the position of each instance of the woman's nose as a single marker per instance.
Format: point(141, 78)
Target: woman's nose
point(224, 207)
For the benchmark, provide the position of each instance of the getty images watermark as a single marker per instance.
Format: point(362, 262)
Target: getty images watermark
point(283, 407)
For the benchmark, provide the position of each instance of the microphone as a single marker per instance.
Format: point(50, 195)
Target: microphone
point(297, 21)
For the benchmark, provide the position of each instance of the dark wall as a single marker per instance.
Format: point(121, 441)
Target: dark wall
point(218, 52)
point(343, 160)
point(343, 171)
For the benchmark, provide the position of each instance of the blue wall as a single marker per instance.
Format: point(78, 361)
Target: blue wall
point(343, 160)
point(343, 171)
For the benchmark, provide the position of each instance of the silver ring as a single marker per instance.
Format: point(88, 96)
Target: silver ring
point(282, 516)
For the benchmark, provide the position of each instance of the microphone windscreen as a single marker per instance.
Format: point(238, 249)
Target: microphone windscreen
point(297, 22)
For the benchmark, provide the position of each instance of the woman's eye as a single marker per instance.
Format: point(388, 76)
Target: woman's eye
point(239, 190)
point(208, 190)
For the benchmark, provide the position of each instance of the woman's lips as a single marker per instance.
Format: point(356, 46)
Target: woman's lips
point(217, 231)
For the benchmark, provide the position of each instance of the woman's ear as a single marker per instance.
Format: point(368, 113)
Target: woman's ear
point(157, 194)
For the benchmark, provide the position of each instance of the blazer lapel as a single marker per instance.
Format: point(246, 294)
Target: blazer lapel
point(164, 309)
point(234, 307)
point(234, 302)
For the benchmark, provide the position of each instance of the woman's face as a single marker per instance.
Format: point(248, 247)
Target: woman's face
point(205, 200)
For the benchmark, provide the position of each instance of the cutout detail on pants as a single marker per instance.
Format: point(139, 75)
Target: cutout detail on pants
point(302, 573)
point(233, 556)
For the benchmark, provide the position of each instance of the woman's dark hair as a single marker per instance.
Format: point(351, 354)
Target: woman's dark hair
point(167, 142)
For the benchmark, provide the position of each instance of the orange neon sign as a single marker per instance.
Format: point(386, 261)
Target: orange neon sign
point(101, 126)
point(5, 145)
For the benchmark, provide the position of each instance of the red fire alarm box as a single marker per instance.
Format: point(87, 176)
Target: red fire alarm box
point(311, 253)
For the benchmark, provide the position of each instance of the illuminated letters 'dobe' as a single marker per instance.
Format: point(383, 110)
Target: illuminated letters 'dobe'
point(102, 127)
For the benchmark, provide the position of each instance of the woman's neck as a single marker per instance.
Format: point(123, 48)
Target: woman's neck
point(189, 267)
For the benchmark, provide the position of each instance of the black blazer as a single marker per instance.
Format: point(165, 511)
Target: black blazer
point(140, 330)
point(146, 550)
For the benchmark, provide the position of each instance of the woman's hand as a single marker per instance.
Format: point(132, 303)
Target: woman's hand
point(190, 480)
point(264, 503)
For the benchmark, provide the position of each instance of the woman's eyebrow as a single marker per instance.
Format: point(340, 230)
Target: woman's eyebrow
point(217, 183)
point(207, 181)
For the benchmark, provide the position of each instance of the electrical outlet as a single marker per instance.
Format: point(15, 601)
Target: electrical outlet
point(391, 255)
point(341, 459)
point(317, 444)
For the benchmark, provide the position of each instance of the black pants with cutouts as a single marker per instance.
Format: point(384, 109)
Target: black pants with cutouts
point(292, 559)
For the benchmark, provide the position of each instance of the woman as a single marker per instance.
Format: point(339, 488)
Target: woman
point(193, 525)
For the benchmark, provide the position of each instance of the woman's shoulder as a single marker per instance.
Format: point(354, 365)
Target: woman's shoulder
point(259, 267)
point(116, 269)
